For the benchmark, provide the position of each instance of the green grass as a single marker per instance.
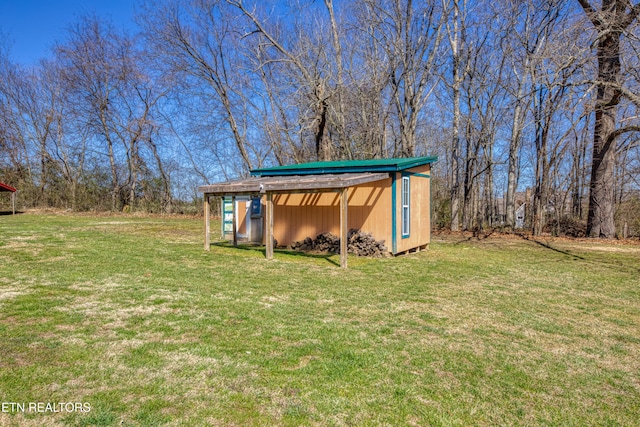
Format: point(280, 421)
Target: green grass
point(133, 317)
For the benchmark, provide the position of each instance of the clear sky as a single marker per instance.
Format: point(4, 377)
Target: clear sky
point(32, 26)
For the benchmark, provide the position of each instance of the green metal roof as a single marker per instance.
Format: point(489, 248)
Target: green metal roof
point(346, 166)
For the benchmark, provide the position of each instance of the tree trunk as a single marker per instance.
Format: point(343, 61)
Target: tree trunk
point(514, 148)
point(455, 127)
point(610, 21)
point(600, 222)
point(489, 211)
point(115, 189)
point(541, 192)
point(467, 199)
point(323, 144)
point(579, 174)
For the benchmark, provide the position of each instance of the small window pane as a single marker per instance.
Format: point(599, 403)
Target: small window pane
point(405, 206)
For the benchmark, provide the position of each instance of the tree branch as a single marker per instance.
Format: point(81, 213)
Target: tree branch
point(618, 132)
point(631, 16)
point(592, 14)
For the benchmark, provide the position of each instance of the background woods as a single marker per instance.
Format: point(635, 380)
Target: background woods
point(531, 106)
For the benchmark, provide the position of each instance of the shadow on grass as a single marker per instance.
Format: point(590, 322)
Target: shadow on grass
point(599, 260)
point(548, 246)
point(589, 258)
point(477, 235)
point(261, 249)
point(2, 213)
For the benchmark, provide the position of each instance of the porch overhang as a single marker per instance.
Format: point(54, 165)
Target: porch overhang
point(270, 185)
point(291, 184)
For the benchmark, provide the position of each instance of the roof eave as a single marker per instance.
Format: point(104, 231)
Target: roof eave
point(294, 183)
point(421, 161)
point(322, 171)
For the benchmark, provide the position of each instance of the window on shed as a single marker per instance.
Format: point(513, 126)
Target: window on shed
point(406, 211)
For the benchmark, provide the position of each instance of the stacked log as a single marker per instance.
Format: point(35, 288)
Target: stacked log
point(360, 243)
point(364, 244)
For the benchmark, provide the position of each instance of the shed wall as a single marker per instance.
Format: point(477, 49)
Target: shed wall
point(241, 211)
point(420, 209)
point(297, 216)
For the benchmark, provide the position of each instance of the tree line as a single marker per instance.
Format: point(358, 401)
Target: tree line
point(530, 105)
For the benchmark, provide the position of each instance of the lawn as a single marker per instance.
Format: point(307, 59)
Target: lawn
point(131, 318)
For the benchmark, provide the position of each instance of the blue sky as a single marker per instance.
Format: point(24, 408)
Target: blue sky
point(32, 26)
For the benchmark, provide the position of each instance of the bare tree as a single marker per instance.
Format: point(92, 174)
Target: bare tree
point(196, 42)
point(548, 100)
point(370, 109)
point(15, 157)
point(90, 59)
point(410, 35)
point(457, 79)
point(67, 148)
point(536, 21)
point(113, 98)
point(483, 94)
point(611, 21)
point(306, 59)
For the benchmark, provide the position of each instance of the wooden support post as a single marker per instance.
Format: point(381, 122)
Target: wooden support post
point(344, 244)
point(234, 215)
point(269, 227)
point(13, 202)
point(207, 222)
point(223, 231)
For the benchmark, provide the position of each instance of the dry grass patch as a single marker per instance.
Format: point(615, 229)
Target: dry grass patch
point(9, 293)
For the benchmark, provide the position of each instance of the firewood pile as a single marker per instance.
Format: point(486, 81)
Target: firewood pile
point(360, 243)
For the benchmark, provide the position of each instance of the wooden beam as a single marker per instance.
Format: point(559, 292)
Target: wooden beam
point(234, 215)
point(232, 192)
point(319, 191)
point(207, 223)
point(319, 182)
point(229, 188)
point(281, 184)
point(269, 227)
point(13, 202)
point(344, 244)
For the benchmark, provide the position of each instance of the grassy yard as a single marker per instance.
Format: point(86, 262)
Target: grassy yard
point(130, 316)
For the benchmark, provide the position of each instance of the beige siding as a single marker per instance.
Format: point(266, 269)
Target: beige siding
point(420, 209)
point(241, 211)
point(297, 216)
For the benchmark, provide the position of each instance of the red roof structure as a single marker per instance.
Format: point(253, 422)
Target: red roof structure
point(5, 187)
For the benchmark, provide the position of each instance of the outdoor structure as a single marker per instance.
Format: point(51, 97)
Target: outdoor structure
point(8, 188)
point(389, 198)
